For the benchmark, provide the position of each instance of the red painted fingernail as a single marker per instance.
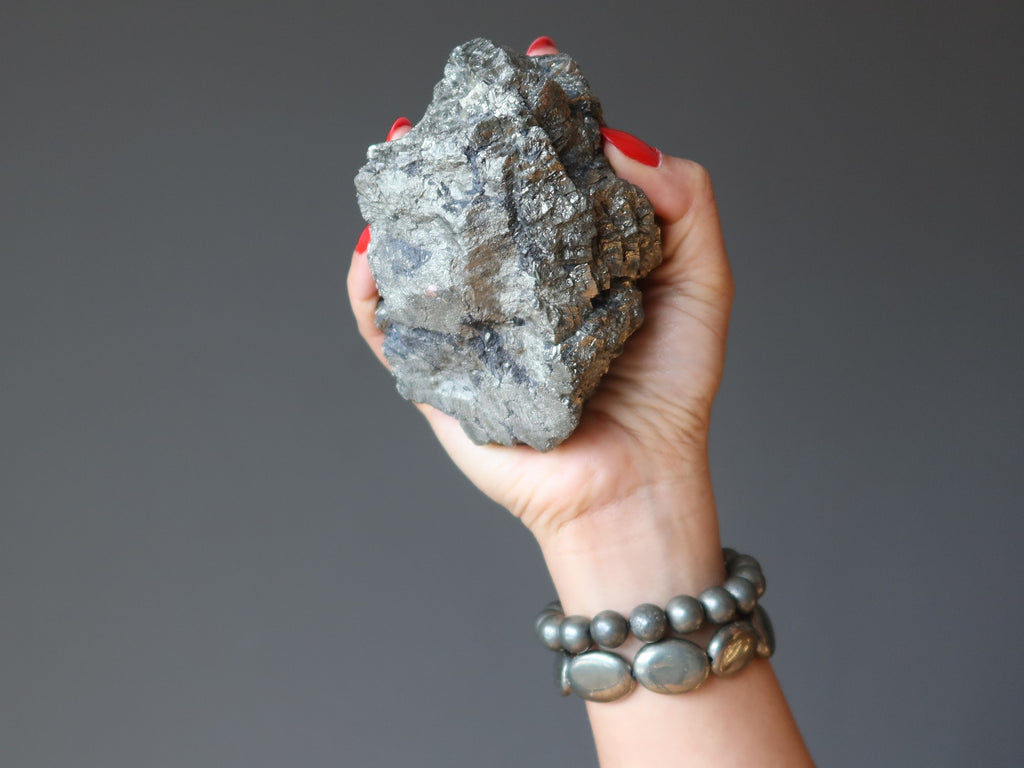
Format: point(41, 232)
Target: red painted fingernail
point(540, 42)
point(632, 147)
point(364, 241)
point(402, 122)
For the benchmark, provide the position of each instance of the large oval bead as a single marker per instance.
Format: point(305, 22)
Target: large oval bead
point(731, 648)
point(671, 666)
point(600, 676)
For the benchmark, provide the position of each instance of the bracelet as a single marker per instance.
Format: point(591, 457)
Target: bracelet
point(667, 663)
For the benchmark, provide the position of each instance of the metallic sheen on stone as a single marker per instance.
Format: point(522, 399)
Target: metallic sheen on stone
point(600, 676)
point(506, 250)
point(685, 614)
point(562, 660)
point(743, 591)
point(765, 632)
point(609, 629)
point(731, 648)
point(575, 634)
point(548, 630)
point(719, 605)
point(671, 666)
point(753, 574)
point(648, 622)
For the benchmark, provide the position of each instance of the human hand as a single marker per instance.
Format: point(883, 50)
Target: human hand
point(645, 430)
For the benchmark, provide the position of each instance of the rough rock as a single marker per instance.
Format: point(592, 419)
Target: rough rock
point(505, 248)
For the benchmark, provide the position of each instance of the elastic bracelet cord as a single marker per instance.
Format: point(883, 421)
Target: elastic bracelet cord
point(668, 663)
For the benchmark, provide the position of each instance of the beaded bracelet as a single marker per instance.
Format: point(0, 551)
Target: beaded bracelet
point(666, 663)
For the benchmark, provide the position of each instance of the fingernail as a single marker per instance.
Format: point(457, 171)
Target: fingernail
point(540, 43)
point(632, 147)
point(364, 241)
point(402, 122)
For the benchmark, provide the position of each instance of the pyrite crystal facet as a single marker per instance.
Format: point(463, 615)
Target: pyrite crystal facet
point(505, 248)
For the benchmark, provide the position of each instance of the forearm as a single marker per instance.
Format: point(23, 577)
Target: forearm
point(661, 542)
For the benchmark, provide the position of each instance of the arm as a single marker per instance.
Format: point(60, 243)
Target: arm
point(624, 511)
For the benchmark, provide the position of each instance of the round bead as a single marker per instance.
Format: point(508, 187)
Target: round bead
point(751, 574)
point(744, 592)
point(685, 614)
point(609, 629)
point(554, 605)
point(743, 560)
point(671, 666)
point(562, 660)
point(600, 676)
point(719, 605)
point(548, 630)
point(729, 554)
point(648, 622)
point(575, 634)
point(765, 632)
point(731, 648)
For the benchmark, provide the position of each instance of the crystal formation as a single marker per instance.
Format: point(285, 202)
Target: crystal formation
point(505, 248)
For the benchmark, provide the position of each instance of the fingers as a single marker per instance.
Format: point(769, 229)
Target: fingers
point(684, 200)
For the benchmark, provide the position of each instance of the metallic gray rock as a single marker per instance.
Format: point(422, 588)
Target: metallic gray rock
point(609, 629)
point(671, 666)
point(562, 685)
point(648, 622)
point(505, 248)
point(600, 676)
point(719, 605)
point(548, 626)
point(575, 633)
point(731, 648)
point(744, 592)
point(685, 614)
point(765, 632)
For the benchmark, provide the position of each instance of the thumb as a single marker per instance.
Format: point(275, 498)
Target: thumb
point(695, 261)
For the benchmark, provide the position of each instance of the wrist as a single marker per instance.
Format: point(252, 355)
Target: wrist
point(660, 541)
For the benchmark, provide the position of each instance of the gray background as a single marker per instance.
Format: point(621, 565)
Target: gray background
point(224, 539)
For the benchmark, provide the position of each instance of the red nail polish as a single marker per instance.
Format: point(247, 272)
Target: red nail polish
point(364, 241)
point(540, 42)
point(402, 122)
point(632, 147)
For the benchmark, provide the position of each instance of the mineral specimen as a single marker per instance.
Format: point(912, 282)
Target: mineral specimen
point(505, 248)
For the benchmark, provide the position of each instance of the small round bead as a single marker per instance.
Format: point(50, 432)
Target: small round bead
point(648, 622)
point(743, 591)
point(753, 575)
point(609, 629)
point(575, 634)
point(742, 560)
point(554, 605)
point(729, 554)
point(548, 631)
point(685, 614)
point(719, 605)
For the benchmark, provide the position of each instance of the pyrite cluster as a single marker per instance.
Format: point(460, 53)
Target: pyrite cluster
point(505, 248)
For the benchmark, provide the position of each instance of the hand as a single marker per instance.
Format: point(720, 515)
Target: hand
point(645, 429)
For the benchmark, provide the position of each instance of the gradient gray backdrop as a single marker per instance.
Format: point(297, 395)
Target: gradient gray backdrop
point(225, 540)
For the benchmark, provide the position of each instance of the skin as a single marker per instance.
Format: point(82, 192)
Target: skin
point(623, 510)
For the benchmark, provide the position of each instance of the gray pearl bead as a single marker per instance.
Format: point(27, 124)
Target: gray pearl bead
point(575, 633)
point(554, 605)
point(685, 614)
point(671, 666)
point(548, 630)
point(743, 560)
point(731, 648)
point(751, 574)
point(562, 660)
point(729, 554)
point(543, 615)
point(609, 629)
point(744, 592)
point(765, 632)
point(648, 622)
point(600, 676)
point(719, 605)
